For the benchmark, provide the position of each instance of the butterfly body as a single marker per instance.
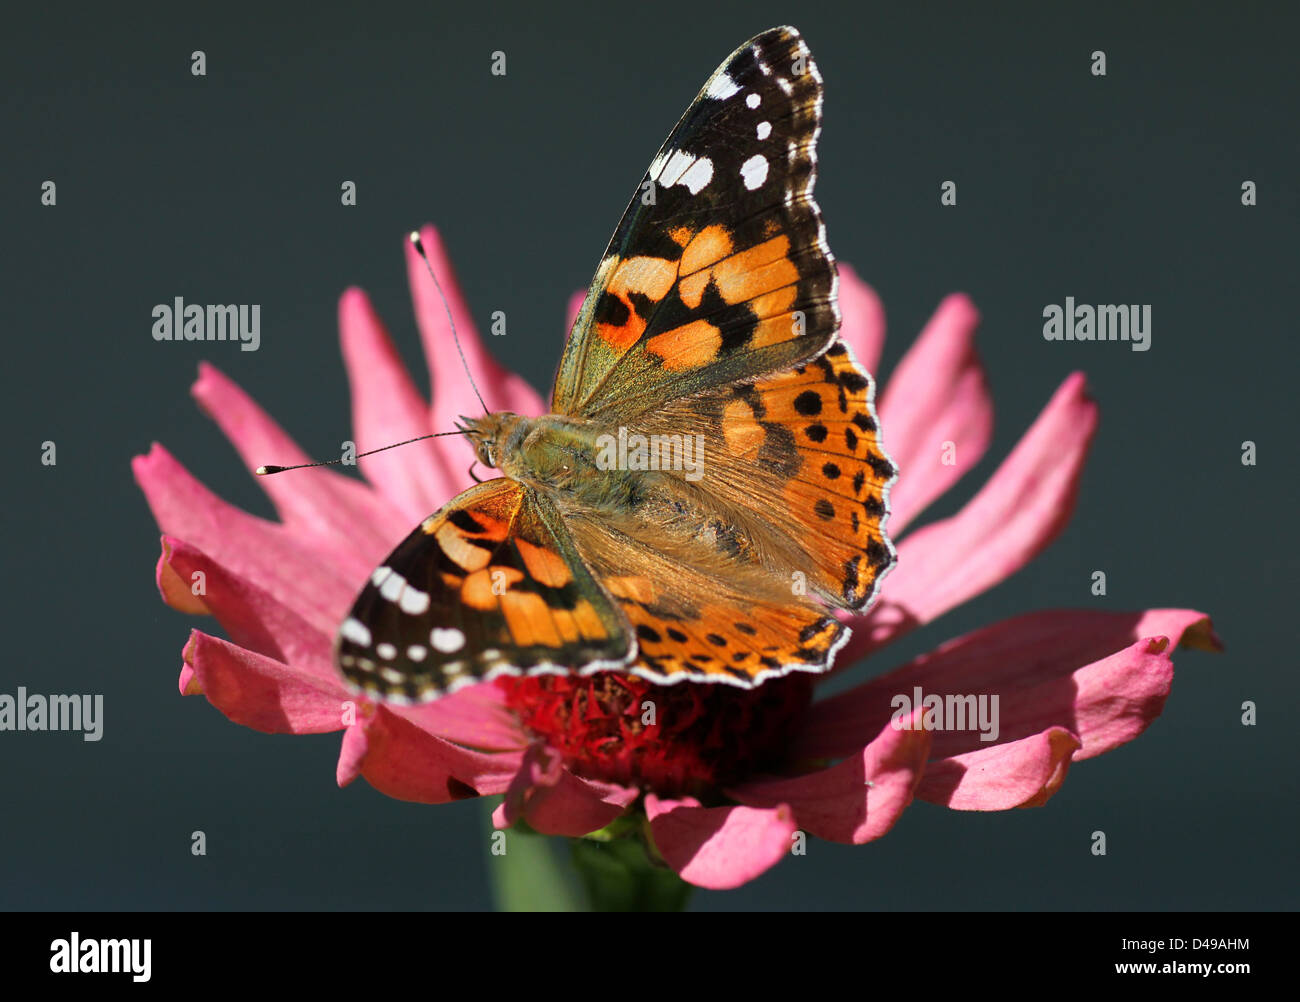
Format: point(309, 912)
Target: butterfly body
point(710, 485)
point(641, 486)
point(552, 453)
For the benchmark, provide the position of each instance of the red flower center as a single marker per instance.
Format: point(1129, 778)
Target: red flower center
point(685, 739)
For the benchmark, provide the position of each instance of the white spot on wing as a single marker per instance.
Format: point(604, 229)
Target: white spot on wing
point(417, 652)
point(753, 100)
point(392, 586)
point(680, 167)
point(448, 641)
point(754, 171)
point(764, 129)
point(698, 175)
point(675, 168)
point(356, 631)
point(413, 601)
point(721, 87)
point(386, 651)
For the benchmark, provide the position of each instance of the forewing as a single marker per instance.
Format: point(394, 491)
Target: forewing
point(489, 585)
point(719, 270)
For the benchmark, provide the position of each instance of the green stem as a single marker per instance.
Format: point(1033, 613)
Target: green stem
point(610, 870)
point(621, 876)
point(526, 873)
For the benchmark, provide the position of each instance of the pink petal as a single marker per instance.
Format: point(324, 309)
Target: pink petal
point(719, 847)
point(863, 321)
point(936, 413)
point(837, 803)
point(253, 618)
point(451, 391)
point(1021, 509)
point(260, 692)
point(386, 408)
point(402, 761)
point(1102, 675)
point(1022, 773)
point(556, 802)
point(319, 502)
point(176, 592)
point(1117, 698)
point(316, 578)
point(475, 716)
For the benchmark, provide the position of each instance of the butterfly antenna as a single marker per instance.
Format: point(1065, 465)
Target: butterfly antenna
point(419, 249)
point(266, 471)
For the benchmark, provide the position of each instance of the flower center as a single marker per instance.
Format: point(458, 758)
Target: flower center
point(685, 739)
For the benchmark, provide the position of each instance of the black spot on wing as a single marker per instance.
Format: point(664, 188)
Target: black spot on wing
point(808, 403)
point(463, 520)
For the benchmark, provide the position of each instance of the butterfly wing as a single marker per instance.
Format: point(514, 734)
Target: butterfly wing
point(489, 585)
point(719, 270)
point(706, 622)
point(802, 448)
point(795, 484)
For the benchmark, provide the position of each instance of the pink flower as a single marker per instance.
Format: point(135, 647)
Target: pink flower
point(1070, 684)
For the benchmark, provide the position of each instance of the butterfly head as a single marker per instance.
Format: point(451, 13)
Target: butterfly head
point(493, 436)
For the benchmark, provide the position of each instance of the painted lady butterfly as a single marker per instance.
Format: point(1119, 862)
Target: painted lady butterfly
point(710, 485)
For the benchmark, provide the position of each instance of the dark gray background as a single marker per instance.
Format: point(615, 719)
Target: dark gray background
point(226, 189)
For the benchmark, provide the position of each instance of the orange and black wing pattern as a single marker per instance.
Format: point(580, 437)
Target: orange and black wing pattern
point(802, 448)
point(488, 585)
point(707, 623)
point(719, 270)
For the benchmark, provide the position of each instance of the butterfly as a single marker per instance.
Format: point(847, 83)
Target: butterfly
point(710, 485)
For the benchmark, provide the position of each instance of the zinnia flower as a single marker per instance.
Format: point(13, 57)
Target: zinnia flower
point(723, 779)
